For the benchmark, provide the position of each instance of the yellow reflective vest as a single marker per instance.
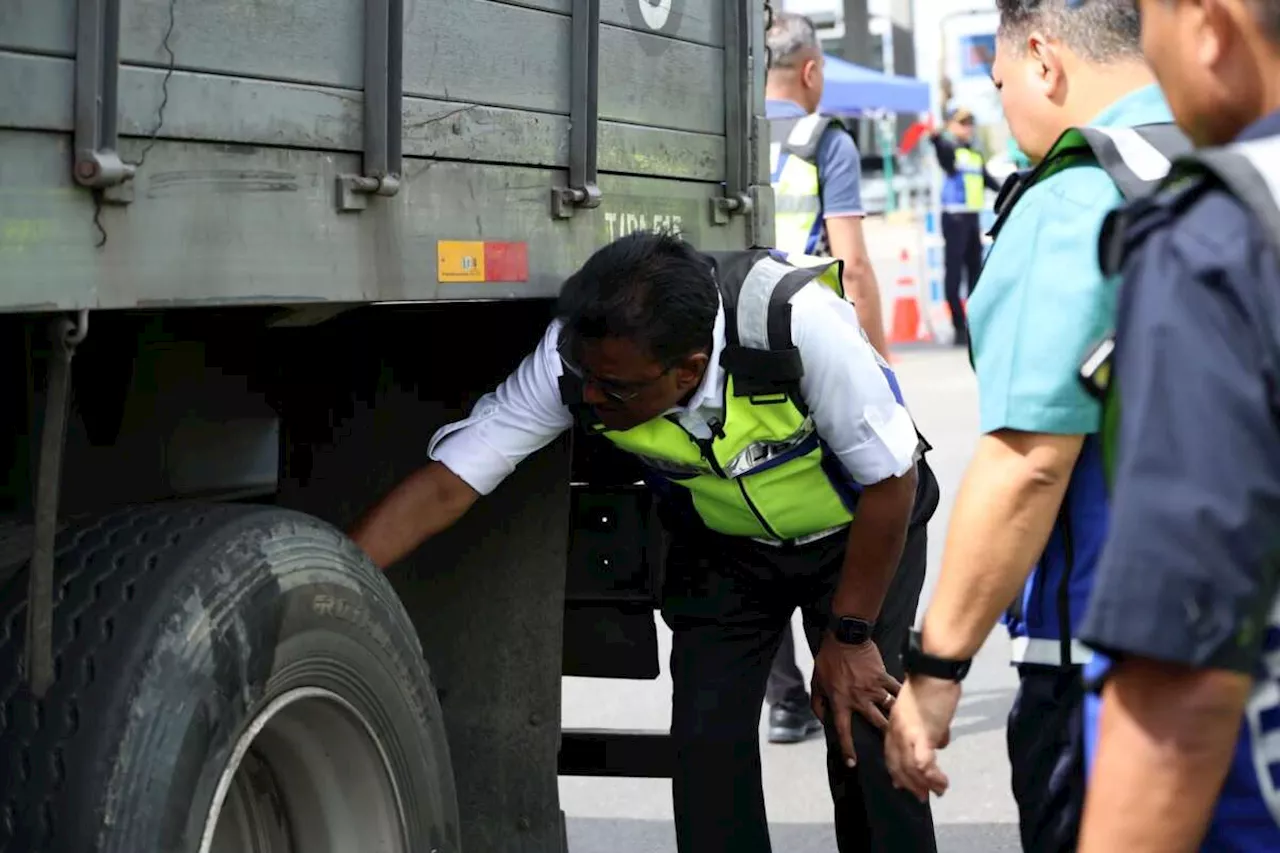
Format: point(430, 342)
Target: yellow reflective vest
point(765, 473)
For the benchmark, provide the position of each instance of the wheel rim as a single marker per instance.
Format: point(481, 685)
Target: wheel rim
point(307, 774)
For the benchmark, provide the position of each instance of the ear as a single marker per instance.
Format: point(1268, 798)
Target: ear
point(1047, 59)
point(690, 370)
point(1215, 28)
point(809, 73)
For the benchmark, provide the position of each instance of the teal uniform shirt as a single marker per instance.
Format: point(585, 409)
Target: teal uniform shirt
point(1042, 302)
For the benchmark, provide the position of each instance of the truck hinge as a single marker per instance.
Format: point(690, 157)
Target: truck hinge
point(383, 118)
point(96, 163)
point(584, 114)
point(64, 336)
point(740, 95)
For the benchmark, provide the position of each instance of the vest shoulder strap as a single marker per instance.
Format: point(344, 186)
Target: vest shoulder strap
point(800, 137)
point(1251, 172)
point(1135, 158)
point(757, 287)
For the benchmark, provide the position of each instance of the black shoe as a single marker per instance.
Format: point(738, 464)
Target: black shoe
point(792, 724)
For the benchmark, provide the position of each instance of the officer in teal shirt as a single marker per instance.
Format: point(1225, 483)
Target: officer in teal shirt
point(1029, 520)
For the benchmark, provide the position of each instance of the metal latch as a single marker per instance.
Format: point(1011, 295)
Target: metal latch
point(584, 114)
point(740, 86)
point(383, 119)
point(97, 165)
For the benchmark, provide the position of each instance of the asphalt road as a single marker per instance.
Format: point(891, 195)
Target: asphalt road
point(978, 814)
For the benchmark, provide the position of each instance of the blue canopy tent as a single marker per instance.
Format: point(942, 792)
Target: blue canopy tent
point(853, 90)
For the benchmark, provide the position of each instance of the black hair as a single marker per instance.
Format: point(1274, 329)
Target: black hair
point(651, 288)
point(1098, 30)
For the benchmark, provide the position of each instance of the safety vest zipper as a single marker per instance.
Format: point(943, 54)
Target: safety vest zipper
point(704, 447)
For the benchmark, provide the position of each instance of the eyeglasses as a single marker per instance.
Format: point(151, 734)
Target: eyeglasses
point(615, 392)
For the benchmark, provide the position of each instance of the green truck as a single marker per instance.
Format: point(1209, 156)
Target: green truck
point(253, 253)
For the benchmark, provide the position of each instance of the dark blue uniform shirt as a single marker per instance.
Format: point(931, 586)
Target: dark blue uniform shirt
point(1189, 572)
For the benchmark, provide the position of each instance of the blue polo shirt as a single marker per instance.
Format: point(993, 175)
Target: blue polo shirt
point(1041, 300)
point(1191, 568)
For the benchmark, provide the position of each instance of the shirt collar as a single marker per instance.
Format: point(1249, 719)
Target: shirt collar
point(1268, 125)
point(780, 108)
point(1146, 105)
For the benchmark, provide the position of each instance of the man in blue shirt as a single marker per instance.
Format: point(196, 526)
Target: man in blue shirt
point(1185, 752)
point(1029, 520)
point(818, 187)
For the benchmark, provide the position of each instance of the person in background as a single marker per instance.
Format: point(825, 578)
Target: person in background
point(1184, 751)
point(817, 182)
point(963, 199)
point(1030, 518)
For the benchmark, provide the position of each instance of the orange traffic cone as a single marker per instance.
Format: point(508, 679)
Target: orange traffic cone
point(907, 327)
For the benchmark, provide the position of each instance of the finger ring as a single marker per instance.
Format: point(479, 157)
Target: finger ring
point(888, 697)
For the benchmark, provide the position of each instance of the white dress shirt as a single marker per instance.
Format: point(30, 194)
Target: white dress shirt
point(844, 385)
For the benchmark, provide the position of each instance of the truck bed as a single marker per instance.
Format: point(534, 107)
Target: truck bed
point(245, 116)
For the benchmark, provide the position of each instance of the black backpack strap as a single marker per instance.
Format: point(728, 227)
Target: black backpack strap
point(1136, 158)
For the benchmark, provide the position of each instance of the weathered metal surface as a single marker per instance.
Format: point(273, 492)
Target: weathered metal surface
point(237, 224)
point(48, 31)
point(34, 95)
point(475, 51)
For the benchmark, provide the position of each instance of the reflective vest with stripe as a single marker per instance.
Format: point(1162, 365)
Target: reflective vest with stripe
point(797, 191)
point(765, 473)
point(1042, 621)
point(964, 191)
point(1246, 818)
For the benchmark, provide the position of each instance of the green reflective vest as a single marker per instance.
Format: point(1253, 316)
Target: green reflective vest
point(797, 192)
point(964, 191)
point(762, 474)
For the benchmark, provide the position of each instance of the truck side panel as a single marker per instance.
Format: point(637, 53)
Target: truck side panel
point(243, 118)
point(34, 95)
point(236, 224)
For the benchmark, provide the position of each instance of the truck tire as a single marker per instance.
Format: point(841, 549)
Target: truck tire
point(228, 678)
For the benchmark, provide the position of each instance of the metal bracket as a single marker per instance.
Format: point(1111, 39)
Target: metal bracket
point(97, 164)
point(744, 25)
point(383, 116)
point(723, 209)
point(584, 114)
point(64, 335)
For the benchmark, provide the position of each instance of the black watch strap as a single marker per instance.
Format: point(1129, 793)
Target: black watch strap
point(850, 630)
point(915, 661)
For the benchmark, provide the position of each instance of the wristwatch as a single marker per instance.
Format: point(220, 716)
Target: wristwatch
point(851, 630)
point(915, 661)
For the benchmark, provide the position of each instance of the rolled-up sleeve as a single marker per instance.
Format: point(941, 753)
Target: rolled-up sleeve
point(521, 416)
point(1189, 571)
point(851, 393)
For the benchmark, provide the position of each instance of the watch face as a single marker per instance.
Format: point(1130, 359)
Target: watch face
point(852, 631)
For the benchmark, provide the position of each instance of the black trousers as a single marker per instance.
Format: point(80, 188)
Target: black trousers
point(1047, 757)
point(786, 685)
point(963, 235)
point(728, 602)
